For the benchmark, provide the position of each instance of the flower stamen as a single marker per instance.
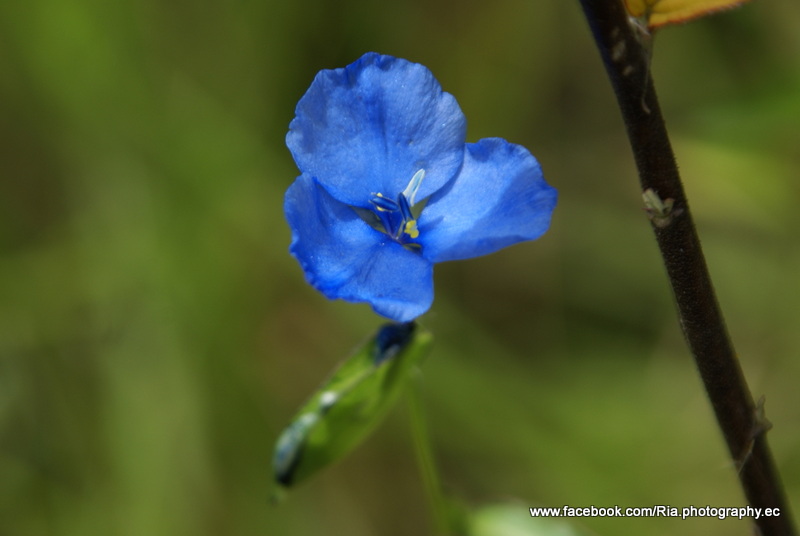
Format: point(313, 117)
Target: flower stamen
point(411, 229)
point(396, 216)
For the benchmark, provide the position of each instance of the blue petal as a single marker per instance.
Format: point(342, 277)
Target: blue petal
point(343, 257)
point(368, 128)
point(499, 198)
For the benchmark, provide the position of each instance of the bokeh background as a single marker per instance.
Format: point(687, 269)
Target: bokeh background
point(155, 334)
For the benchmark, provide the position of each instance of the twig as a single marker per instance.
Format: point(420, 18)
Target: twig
point(626, 59)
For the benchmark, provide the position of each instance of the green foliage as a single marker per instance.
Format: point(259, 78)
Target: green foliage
point(509, 520)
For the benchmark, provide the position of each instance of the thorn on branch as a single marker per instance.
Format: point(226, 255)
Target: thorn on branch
point(761, 425)
point(661, 212)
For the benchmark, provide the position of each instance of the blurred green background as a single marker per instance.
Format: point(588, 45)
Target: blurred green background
point(155, 334)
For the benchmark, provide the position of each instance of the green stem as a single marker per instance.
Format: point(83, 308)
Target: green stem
point(430, 476)
point(740, 419)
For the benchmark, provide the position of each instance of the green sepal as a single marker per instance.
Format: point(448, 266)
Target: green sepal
point(345, 409)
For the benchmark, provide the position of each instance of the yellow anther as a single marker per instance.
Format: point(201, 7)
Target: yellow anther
point(411, 229)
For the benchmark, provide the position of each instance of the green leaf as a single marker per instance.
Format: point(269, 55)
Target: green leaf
point(515, 520)
point(345, 409)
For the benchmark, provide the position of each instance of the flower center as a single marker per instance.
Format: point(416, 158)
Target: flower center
point(396, 216)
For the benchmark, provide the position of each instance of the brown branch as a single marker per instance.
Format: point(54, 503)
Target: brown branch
point(741, 421)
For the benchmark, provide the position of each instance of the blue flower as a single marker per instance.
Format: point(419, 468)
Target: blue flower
point(389, 187)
